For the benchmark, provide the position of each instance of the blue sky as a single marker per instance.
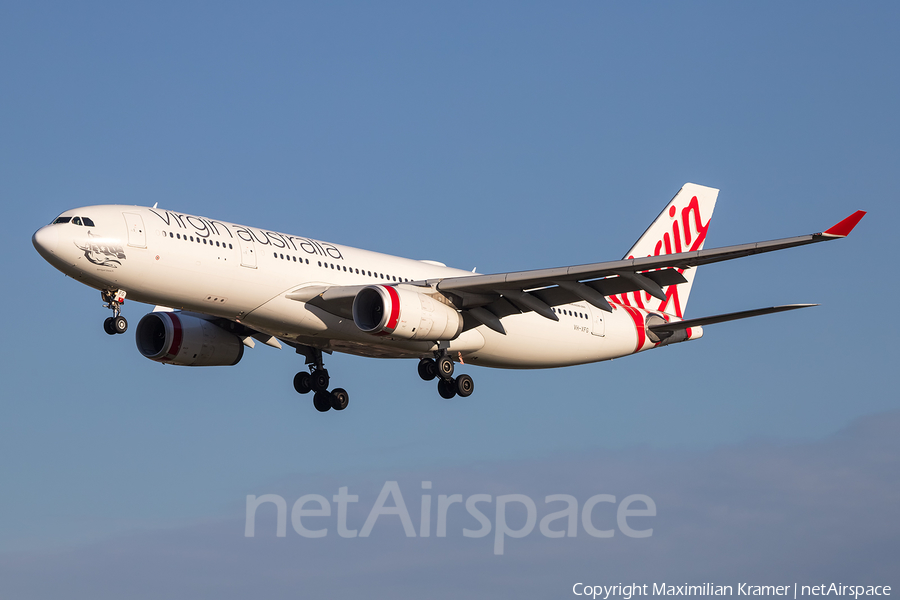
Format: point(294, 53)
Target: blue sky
point(499, 137)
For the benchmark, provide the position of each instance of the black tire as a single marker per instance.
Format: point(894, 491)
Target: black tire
point(427, 369)
point(447, 388)
point(319, 380)
point(322, 401)
point(465, 385)
point(119, 324)
point(445, 367)
point(108, 326)
point(302, 382)
point(339, 399)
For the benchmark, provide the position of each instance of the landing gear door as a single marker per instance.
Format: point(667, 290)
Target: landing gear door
point(137, 237)
point(598, 323)
point(248, 253)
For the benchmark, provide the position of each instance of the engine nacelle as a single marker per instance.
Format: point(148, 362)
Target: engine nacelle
point(179, 339)
point(404, 313)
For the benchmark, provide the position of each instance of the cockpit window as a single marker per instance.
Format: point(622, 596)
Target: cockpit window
point(87, 222)
point(76, 221)
point(62, 220)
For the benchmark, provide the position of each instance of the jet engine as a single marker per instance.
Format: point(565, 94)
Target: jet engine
point(180, 339)
point(404, 313)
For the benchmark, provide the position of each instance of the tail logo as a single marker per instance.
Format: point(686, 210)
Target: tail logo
point(684, 234)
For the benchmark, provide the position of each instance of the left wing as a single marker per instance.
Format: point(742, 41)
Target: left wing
point(336, 299)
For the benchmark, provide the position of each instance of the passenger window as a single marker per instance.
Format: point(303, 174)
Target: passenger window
point(76, 221)
point(87, 222)
point(171, 235)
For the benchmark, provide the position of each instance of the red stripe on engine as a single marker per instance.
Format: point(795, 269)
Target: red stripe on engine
point(395, 309)
point(177, 336)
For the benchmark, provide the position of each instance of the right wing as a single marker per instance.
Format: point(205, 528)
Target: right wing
point(487, 298)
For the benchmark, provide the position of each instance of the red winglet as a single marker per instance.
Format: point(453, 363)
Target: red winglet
point(844, 228)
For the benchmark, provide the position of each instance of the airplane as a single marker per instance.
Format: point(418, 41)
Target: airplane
point(220, 287)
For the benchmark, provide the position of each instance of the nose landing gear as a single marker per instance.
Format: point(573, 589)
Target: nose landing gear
point(116, 323)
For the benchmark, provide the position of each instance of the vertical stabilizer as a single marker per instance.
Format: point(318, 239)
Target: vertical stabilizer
point(680, 227)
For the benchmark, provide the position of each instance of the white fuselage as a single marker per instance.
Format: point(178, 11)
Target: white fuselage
point(245, 274)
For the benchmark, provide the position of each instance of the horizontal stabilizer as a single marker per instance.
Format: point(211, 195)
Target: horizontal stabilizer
point(670, 328)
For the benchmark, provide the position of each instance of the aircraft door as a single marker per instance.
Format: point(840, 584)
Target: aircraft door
point(248, 253)
point(598, 324)
point(137, 237)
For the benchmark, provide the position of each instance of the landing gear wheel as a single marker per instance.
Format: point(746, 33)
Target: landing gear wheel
point(339, 399)
point(108, 326)
point(447, 388)
point(319, 380)
point(322, 401)
point(464, 386)
point(119, 324)
point(427, 369)
point(445, 367)
point(302, 382)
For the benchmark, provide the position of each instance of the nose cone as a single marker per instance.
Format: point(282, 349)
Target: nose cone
point(45, 241)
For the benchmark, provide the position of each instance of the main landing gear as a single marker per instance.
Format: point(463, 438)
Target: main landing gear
point(442, 366)
point(317, 381)
point(116, 323)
